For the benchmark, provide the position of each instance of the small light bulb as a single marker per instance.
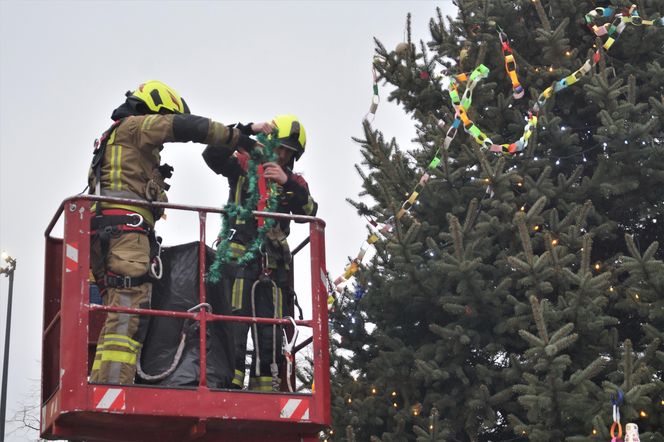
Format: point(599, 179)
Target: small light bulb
point(350, 400)
point(568, 53)
point(520, 184)
point(373, 390)
point(551, 69)
point(554, 242)
point(642, 413)
point(536, 228)
point(597, 266)
point(395, 405)
point(394, 393)
point(594, 431)
point(636, 296)
point(523, 208)
point(611, 289)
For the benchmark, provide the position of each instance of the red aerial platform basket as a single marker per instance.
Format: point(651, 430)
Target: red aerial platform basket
point(74, 409)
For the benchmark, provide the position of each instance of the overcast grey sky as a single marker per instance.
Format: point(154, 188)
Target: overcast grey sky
point(65, 65)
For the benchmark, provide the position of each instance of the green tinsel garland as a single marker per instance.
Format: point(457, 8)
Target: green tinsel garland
point(244, 211)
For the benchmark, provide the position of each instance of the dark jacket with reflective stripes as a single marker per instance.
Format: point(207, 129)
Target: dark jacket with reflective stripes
point(129, 168)
point(293, 197)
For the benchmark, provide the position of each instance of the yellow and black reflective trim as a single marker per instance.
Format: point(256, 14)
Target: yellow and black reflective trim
point(107, 350)
point(238, 379)
point(238, 195)
point(260, 383)
point(115, 176)
point(121, 341)
point(277, 299)
point(148, 121)
point(113, 356)
point(237, 249)
point(238, 289)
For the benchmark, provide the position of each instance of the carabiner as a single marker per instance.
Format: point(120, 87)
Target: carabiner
point(137, 224)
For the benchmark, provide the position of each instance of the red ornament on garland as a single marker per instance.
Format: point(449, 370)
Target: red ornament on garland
point(424, 75)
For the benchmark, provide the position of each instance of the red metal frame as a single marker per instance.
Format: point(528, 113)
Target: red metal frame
point(72, 408)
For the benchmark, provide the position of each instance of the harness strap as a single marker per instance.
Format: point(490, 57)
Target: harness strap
point(113, 280)
point(123, 222)
point(113, 223)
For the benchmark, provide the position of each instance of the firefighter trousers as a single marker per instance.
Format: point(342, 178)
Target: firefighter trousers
point(266, 338)
point(123, 334)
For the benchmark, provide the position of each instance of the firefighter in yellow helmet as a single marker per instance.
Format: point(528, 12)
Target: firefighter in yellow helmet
point(260, 287)
point(126, 164)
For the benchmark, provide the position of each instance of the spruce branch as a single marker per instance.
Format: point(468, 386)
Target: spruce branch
point(457, 236)
point(631, 89)
point(631, 247)
point(584, 266)
point(553, 349)
point(531, 338)
point(537, 208)
point(627, 362)
point(563, 331)
point(539, 319)
point(542, 15)
point(524, 236)
point(592, 370)
point(471, 215)
point(583, 214)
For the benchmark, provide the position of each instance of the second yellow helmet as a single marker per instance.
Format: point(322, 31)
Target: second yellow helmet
point(291, 134)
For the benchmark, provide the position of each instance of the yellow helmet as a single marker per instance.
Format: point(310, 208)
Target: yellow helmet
point(160, 98)
point(291, 134)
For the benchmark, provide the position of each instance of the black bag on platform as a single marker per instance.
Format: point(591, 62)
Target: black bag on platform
point(171, 352)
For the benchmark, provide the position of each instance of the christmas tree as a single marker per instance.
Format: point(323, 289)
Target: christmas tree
point(517, 289)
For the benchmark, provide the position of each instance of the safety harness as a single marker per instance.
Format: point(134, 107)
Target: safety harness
point(111, 223)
